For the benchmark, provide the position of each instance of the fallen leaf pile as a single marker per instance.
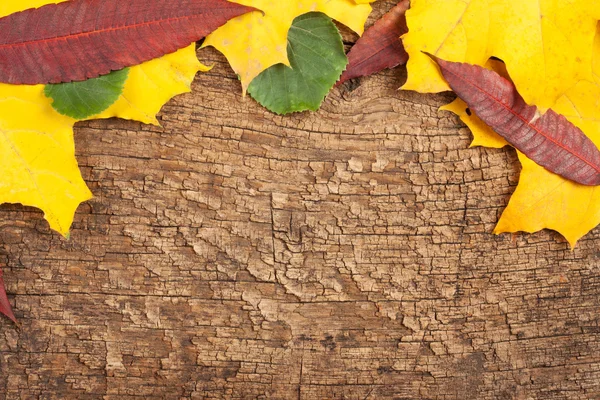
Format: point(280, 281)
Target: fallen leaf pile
point(529, 70)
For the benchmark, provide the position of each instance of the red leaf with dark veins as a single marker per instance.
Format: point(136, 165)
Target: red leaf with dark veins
point(550, 139)
point(380, 47)
point(81, 39)
point(5, 307)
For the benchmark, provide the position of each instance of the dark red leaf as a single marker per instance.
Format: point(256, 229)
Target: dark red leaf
point(81, 39)
point(549, 140)
point(5, 307)
point(380, 47)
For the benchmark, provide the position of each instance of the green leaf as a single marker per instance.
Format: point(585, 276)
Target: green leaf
point(83, 99)
point(317, 59)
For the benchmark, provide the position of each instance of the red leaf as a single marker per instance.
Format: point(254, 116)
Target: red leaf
point(5, 307)
point(549, 140)
point(380, 47)
point(81, 39)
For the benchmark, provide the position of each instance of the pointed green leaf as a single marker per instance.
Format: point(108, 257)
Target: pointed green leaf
point(317, 60)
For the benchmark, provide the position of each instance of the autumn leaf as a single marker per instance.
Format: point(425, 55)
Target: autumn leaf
point(38, 156)
point(36, 142)
point(483, 135)
point(380, 47)
point(546, 45)
point(554, 63)
point(317, 59)
point(152, 84)
point(5, 307)
point(549, 139)
point(82, 39)
point(256, 41)
point(545, 200)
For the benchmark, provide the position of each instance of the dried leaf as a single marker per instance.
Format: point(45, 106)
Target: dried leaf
point(317, 60)
point(5, 307)
point(82, 39)
point(380, 47)
point(549, 139)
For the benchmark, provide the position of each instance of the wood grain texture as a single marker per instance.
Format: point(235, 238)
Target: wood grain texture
point(345, 254)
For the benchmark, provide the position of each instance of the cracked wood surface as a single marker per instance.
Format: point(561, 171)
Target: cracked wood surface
point(344, 254)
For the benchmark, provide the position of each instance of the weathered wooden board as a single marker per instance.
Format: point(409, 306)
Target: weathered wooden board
point(344, 254)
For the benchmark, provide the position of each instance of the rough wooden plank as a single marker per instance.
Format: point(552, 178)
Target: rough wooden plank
point(345, 254)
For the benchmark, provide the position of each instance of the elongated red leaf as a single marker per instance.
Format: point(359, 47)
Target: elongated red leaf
point(380, 47)
point(5, 307)
point(81, 39)
point(549, 140)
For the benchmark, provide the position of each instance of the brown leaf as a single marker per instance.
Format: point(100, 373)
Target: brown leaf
point(549, 140)
point(81, 39)
point(380, 47)
point(5, 307)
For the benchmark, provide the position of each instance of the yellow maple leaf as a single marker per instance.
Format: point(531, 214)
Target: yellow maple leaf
point(543, 199)
point(546, 200)
point(255, 41)
point(546, 44)
point(37, 150)
point(38, 156)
